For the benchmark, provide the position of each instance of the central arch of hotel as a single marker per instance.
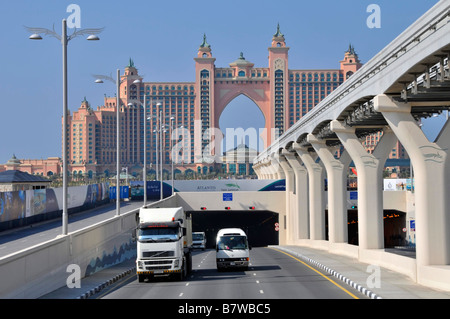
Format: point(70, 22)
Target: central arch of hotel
point(258, 93)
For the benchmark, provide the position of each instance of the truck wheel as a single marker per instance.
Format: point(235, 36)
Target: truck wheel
point(181, 275)
point(141, 278)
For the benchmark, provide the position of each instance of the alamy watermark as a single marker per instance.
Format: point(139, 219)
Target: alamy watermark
point(74, 279)
point(374, 280)
point(74, 20)
point(374, 19)
point(209, 144)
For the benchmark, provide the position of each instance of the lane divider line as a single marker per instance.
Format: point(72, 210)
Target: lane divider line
point(349, 282)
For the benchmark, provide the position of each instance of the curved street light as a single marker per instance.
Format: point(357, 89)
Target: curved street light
point(64, 38)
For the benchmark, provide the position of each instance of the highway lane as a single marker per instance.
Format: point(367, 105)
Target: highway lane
point(272, 275)
point(15, 240)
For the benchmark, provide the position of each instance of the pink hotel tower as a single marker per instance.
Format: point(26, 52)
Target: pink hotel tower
point(283, 96)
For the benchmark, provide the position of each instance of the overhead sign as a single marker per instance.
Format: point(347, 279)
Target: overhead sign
point(227, 197)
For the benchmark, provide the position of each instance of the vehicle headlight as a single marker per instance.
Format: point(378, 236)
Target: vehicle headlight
point(176, 263)
point(140, 264)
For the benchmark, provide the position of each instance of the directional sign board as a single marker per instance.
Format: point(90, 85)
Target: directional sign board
point(227, 197)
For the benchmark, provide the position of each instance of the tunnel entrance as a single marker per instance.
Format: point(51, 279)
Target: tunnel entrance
point(260, 226)
point(394, 223)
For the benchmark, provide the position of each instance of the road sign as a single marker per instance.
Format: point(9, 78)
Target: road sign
point(227, 197)
point(277, 226)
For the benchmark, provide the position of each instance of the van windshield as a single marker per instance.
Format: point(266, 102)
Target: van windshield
point(232, 242)
point(158, 234)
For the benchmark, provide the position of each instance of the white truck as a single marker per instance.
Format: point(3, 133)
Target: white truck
point(199, 240)
point(164, 242)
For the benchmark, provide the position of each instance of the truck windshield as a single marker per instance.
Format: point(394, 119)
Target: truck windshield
point(158, 234)
point(197, 236)
point(232, 242)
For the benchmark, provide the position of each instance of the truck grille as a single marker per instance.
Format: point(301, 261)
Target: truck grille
point(158, 264)
point(156, 254)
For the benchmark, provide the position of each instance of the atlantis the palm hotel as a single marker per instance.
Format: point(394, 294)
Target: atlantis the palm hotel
point(283, 96)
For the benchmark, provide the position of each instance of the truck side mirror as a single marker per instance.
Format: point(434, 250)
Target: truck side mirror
point(133, 235)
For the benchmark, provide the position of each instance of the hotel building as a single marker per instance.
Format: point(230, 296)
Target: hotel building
point(283, 95)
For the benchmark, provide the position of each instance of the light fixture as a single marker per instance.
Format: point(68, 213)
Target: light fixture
point(35, 36)
point(93, 37)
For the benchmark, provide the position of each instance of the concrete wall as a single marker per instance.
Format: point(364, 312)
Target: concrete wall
point(38, 270)
point(41, 269)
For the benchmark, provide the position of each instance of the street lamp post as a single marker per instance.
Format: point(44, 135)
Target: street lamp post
point(171, 148)
point(144, 170)
point(172, 120)
point(159, 130)
point(99, 79)
point(161, 154)
point(64, 38)
point(145, 142)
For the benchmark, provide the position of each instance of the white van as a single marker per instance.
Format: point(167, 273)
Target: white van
point(199, 240)
point(232, 249)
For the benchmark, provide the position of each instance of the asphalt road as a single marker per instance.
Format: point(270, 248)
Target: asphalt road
point(272, 275)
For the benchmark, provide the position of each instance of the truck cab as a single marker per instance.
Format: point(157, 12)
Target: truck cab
point(232, 249)
point(164, 242)
point(199, 240)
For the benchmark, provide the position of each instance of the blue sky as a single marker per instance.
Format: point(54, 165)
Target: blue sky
point(162, 37)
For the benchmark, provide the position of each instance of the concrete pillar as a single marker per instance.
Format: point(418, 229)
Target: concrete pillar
point(290, 209)
point(431, 174)
point(316, 190)
point(337, 190)
point(279, 173)
point(259, 172)
point(265, 171)
point(300, 219)
point(256, 170)
point(270, 170)
point(369, 168)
